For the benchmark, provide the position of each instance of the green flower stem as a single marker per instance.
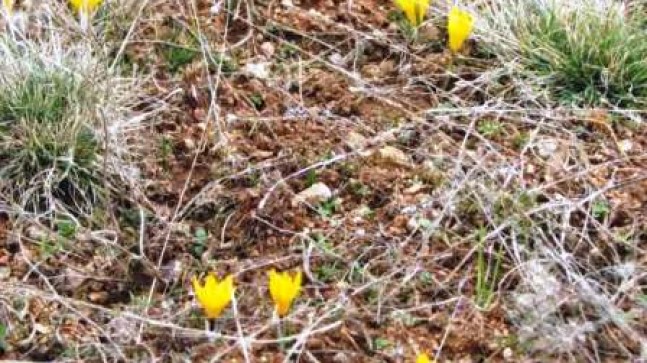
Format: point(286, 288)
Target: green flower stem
point(279, 332)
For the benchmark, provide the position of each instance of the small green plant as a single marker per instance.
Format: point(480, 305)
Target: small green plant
point(405, 27)
point(356, 273)
point(66, 228)
point(288, 50)
point(327, 272)
point(257, 101)
point(221, 63)
point(513, 206)
point(311, 178)
point(181, 50)
point(359, 189)
point(327, 208)
point(520, 140)
point(166, 151)
point(323, 243)
point(254, 178)
point(487, 275)
point(490, 128)
point(49, 247)
point(426, 278)
point(371, 295)
point(381, 343)
point(406, 319)
point(642, 300)
point(199, 241)
point(178, 56)
point(600, 209)
point(509, 341)
point(3, 337)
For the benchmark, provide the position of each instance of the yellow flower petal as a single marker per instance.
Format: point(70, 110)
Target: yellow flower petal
point(414, 10)
point(297, 284)
point(275, 287)
point(423, 358)
point(214, 296)
point(197, 288)
point(459, 27)
point(283, 290)
point(210, 283)
point(85, 6)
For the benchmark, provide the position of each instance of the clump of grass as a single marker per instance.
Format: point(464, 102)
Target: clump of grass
point(54, 102)
point(177, 57)
point(585, 52)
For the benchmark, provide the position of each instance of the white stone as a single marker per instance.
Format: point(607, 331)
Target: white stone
point(267, 49)
point(216, 8)
point(231, 119)
point(355, 141)
point(189, 144)
point(337, 59)
point(508, 354)
point(625, 145)
point(547, 147)
point(412, 224)
point(5, 273)
point(393, 155)
point(260, 70)
point(318, 192)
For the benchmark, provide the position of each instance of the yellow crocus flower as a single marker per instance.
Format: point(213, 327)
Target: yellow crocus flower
point(414, 10)
point(284, 289)
point(423, 358)
point(459, 27)
point(214, 295)
point(86, 7)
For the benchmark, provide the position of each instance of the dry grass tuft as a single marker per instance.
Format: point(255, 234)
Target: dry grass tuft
point(586, 52)
point(65, 118)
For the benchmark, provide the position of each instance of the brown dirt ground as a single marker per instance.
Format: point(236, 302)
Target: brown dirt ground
point(227, 167)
